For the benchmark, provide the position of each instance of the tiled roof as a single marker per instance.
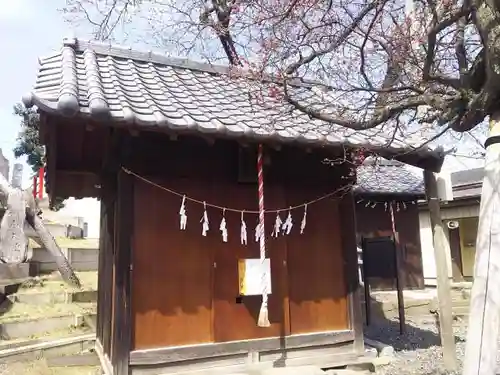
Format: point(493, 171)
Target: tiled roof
point(107, 83)
point(389, 178)
point(467, 183)
point(467, 177)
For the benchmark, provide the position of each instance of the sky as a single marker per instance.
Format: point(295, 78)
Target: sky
point(28, 29)
point(32, 28)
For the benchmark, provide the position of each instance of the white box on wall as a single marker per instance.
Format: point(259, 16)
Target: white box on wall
point(445, 188)
point(250, 276)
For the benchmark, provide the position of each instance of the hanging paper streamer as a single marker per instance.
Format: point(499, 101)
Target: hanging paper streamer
point(277, 225)
point(258, 232)
point(304, 220)
point(223, 227)
point(183, 214)
point(243, 231)
point(263, 320)
point(204, 221)
point(288, 224)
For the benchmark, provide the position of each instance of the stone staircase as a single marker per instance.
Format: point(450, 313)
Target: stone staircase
point(43, 318)
point(69, 233)
point(47, 327)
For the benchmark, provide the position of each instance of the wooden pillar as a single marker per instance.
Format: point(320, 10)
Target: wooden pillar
point(441, 247)
point(398, 267)
point(107, 248)
point(100, 278)
point(122, 260)
point(105, 276)
point(122, 333)
point(350, 253)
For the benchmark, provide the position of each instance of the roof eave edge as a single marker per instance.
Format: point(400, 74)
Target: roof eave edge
point(31, 99)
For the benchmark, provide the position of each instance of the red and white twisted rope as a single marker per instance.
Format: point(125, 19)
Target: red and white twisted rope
point(263, 319)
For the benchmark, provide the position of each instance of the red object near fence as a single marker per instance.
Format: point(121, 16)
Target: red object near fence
point(41, 178)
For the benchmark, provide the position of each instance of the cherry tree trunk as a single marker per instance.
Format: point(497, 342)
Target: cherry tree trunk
point(484, 316)
point(14, 230)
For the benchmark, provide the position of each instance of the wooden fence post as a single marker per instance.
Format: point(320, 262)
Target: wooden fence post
point(441, 246)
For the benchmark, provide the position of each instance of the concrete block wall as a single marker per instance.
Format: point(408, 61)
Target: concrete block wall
point(80, 259)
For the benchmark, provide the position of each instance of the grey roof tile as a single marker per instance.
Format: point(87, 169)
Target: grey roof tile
point(389, 178)
point(95, 79)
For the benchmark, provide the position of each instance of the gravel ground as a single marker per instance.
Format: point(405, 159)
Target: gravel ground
point(418, 352)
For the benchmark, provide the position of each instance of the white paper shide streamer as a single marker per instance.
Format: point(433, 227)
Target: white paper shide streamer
point(304, 221)
point(204, 221)
point(223, 227)
point(243, 231)
point(288, 224)
point(277, 225)
point(183, 214)
point(258, 232)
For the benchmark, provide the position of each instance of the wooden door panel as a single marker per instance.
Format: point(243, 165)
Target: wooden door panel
point(172, 269)
point(236, 318)
point(317, 291)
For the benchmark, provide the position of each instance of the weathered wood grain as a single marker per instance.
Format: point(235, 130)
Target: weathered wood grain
point(441, 247)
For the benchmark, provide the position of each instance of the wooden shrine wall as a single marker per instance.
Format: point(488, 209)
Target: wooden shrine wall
point(376, 221)
point(185, 286)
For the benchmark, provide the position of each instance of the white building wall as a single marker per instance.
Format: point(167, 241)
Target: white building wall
point(87, 208)
point(428, 260)
point(427, 246)
point(454, 213)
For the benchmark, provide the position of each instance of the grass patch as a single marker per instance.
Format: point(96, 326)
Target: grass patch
point(19, 312)
point(53, 283)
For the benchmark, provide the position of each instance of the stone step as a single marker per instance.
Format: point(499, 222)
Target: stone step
point(65, 333)
point(38, 298)
point(81, 370)
point(50, 289)
point(40, 366)
point(84, 359)
point(53, 283)
point(21, 320)
point(48, 349)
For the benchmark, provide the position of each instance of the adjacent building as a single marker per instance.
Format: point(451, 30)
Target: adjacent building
point(461, 216)
point(381, 183)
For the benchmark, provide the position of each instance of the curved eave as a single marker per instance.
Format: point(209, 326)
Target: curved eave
point(388, 196)
point(423, 158)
